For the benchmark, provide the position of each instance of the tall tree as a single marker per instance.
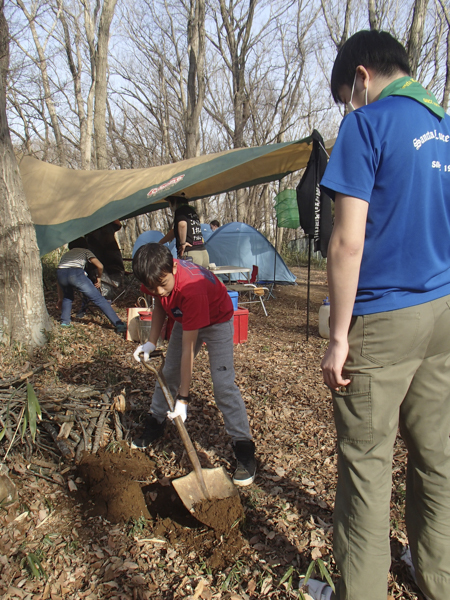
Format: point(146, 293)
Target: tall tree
point(446, 91)
point(234, 43)
point(23, 315)
point(196, 75)
point(72, 43)
point(101, 66)
point(338, 26)
point(41, 61)
point(414, 45)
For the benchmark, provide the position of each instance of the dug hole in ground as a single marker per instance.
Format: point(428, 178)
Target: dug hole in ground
point(108, 524)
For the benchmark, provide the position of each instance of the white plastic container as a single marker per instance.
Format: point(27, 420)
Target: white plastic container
point(324, 319)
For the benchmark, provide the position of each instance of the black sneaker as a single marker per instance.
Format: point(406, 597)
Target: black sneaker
point(121, 327)
point(152, 431)
point(246, 463)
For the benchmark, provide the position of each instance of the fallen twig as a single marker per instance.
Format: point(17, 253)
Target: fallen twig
point(63, 447)
point(99, 431)
point(118, 424)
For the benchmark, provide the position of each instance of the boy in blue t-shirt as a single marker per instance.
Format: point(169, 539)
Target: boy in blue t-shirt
point(388, 361)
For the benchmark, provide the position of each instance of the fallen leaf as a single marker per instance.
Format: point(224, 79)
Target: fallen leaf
point(72, 485)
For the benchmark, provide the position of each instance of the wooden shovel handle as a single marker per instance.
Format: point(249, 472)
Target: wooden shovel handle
point(192, 454)
point(180, 426)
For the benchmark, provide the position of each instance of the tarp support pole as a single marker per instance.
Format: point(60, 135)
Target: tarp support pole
point(275, 259)
point(309, 284)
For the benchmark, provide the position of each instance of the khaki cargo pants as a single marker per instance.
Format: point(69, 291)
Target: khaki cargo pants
point(399, 364)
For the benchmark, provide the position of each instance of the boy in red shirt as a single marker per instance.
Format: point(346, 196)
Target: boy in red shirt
point(203, 312)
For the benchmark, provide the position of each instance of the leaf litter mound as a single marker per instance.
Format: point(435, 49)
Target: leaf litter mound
point(107, 522)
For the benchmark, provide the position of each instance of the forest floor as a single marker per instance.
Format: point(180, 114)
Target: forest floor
point(110, 525)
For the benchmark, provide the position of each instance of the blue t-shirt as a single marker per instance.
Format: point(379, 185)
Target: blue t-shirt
point(395, 155)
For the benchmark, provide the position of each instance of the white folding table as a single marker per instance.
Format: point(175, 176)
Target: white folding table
point(229, 269)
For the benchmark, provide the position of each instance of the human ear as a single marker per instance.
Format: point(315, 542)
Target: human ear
point(364, 75)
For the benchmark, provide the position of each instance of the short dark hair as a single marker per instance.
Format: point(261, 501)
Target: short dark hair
point(78, 243)
point(373, 49)
point(215, 223)
point(177, 201)
point(151, 263)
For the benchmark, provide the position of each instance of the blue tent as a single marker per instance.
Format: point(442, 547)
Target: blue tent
point(152, 237)
point(206, 231)
point(242, 245)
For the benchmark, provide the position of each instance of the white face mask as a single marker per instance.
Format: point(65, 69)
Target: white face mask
point(350, 107)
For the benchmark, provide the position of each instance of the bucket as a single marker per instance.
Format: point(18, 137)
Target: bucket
point(286, 208)
point(145, 315)
point(234, 299)
point(324, 319)
point(145, 325)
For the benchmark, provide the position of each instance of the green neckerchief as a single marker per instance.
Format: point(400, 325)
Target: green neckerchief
point(407, 86)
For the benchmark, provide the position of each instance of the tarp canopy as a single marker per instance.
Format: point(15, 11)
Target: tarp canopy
point(241, 245)
point(68, 203)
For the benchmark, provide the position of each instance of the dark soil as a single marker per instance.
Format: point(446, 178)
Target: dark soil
point(221, 514)
point(112, 484)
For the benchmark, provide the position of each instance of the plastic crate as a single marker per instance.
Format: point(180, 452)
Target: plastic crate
point(234, 296)
point(240, 325)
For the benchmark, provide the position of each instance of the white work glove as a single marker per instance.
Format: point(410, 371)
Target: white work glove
point(180, 411)
point(146, 348)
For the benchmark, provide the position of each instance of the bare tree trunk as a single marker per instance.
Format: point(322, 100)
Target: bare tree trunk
point(101, 64)
point(238, 38)
point(414, 46)
point(267, 209)
point(75, 70)
point(23, 315)
point(446, 92)
point(42, 64)
point(238, 46)
point(89, 27)
point(196, 82)
point(196, 76)
point(374, 19)
point(241, 196)
point(338, 35)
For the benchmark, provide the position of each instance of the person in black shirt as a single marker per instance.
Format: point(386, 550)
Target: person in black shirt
point(187, 232)
point(102, 242)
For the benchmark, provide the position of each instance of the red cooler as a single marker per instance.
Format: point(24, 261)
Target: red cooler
point(240, 325)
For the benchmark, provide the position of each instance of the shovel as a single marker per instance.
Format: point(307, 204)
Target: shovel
point(200, 484)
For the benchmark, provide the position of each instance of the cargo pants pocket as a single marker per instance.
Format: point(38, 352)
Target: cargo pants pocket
point(353, 410)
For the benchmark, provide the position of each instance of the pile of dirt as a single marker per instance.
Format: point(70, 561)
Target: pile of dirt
point(112, 489)
point(110, 486)
point(220, 514)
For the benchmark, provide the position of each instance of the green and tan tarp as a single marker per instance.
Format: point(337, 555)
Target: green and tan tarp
point(68, 203)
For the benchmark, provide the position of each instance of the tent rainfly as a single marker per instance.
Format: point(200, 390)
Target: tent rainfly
point(68, 203)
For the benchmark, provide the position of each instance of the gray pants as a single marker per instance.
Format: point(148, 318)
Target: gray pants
point(399, 365)
point(219, 341)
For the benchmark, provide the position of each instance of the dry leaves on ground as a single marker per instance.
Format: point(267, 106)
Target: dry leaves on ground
point(60, 539)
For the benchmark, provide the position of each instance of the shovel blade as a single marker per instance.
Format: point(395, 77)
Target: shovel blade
point(217, 481)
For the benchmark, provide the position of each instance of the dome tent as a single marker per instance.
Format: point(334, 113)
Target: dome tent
point(242, 245)
point(152, 237)
point(206, 231)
